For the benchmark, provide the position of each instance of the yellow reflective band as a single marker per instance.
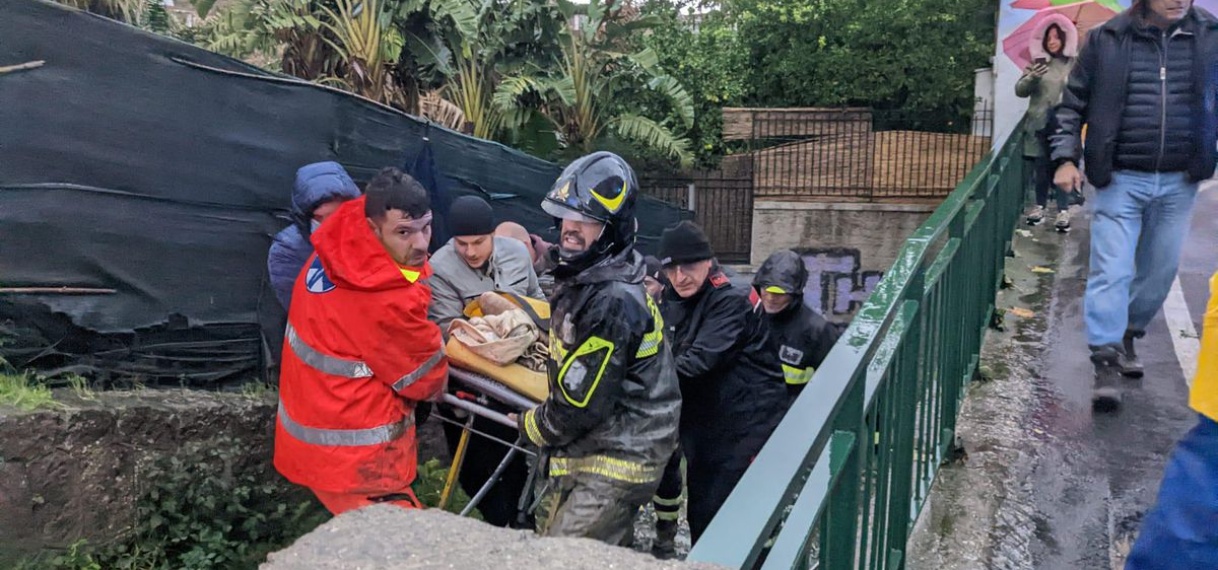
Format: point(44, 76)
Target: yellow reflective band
point(610, 467)
point(410, 274)
point(557, 351)
point(531, 429)
point(652, 340)
point(775, 290)
point(613, 205)
point(797, 376)
point(668, 515)
point(662, 502)
point(591, 346)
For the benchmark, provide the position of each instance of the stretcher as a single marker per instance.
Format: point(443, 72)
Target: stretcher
point(474, 382)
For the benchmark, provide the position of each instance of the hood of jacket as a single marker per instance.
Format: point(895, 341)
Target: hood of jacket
point(352, 255)
point(316, 184)
point(1036, 42)
point(784, 269)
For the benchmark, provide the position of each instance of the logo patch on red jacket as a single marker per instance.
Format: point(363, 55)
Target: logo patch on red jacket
point(719, 280)
point(316, 280)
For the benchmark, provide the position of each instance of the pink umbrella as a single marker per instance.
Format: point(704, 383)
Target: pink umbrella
point(1085, 15)
point(1042, 4)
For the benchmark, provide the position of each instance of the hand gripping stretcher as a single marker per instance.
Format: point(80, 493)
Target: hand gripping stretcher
point(474, 382)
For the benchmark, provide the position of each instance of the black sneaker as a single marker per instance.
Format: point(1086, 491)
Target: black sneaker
point(1106, 396)
point(665, 545)
point(1131, 365)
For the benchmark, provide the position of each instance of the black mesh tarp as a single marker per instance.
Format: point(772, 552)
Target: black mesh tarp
point(156, 173)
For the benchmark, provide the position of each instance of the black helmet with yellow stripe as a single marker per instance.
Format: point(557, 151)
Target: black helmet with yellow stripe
point(783, 273)
point(599, 187)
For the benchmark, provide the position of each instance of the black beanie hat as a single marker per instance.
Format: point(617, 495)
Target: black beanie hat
point(684, 243)
point(470, 216)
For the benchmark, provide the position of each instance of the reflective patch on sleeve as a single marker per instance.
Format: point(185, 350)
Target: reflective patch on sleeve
point(797, 376)
point(531, 430)
point(652, 340)
point(581, 372)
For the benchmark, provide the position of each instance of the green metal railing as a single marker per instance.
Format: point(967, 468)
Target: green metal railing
point(844, 476)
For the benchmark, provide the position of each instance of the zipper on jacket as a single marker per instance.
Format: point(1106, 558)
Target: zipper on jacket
point(1162, 102)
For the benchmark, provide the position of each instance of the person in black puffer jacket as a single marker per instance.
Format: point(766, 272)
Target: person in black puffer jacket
point(1145, 88)
point(732, 400)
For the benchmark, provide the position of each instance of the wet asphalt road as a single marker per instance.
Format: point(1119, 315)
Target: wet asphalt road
point(1056, 486)
point(1100, 473)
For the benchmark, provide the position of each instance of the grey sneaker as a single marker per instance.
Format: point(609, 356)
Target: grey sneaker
point(1131, 365)
point(1106, 396)
point(1062, 223)
point(1035, 215)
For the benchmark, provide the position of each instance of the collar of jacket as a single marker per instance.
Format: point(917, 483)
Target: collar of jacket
point(626, 267)
point(1128, 21)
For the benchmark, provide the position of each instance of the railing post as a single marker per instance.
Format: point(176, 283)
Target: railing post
point(839, 526)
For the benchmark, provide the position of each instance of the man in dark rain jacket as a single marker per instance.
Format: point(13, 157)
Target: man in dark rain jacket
point(609, 424)
point(731, 399)
point(799, 337)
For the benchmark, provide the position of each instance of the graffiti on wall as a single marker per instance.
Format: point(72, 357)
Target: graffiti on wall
point(837, 285)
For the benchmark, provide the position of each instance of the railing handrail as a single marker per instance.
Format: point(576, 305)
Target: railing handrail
point(737, 536)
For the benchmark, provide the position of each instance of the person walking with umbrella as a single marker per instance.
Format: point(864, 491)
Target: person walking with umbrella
point(1053, 46)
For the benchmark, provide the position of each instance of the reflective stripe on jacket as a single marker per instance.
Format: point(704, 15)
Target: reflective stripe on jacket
point(358, 354)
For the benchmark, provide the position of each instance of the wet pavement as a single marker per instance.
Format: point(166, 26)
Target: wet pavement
point(1048, 484)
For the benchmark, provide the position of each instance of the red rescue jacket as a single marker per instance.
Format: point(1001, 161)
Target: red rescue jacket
point(358, 354)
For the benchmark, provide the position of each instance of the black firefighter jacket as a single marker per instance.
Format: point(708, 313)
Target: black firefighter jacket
point(614, 404)
point(727, 389)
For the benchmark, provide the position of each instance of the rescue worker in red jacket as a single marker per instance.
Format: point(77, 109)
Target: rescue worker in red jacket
point(359, 352)
point(609, 425)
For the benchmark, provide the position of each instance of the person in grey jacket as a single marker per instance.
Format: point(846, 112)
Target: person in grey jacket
point(1054, 45)
point(473, 262)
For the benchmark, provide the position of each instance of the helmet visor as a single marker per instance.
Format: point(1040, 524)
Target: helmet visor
point(565, 213)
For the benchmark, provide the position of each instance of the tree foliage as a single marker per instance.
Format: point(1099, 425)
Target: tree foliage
point(914, 55)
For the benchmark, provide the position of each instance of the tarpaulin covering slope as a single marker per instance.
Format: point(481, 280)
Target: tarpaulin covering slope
point(136, 163)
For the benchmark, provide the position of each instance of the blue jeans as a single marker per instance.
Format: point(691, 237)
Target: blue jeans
point(1137, 230)
point(1181, 531)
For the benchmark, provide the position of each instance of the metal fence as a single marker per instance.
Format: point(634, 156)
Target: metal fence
point(722, 202)
point(858, 154)
point(842, 479)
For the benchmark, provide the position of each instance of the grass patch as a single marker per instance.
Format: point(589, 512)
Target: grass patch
point(24, 392)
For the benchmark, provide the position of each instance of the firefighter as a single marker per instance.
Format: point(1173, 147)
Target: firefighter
point(667, 502)
point(609, 424)
point(359, 352)
point(799, 338)
point(732, 400)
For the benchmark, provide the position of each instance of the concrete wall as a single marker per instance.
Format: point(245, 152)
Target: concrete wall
point(847, 247)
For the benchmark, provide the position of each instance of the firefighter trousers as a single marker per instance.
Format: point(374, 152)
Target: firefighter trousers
point(584, 505)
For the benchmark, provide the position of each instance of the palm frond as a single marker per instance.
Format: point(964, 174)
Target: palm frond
point(651, 134)
point(670, 88)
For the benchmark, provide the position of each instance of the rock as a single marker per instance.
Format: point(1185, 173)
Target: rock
point(384, 537)
point(76, 472)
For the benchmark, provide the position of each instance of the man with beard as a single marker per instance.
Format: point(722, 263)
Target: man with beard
point(609, 424)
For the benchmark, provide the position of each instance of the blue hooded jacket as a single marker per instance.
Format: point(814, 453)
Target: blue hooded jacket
point(316, 184)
